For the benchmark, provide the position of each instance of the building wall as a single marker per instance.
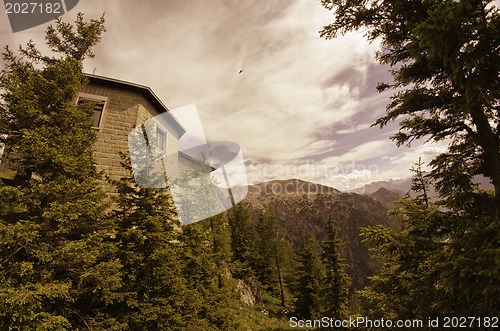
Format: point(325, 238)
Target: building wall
point(124, 110)
point(186, 164)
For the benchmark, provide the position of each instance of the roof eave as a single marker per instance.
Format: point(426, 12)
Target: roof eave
point(146, 91)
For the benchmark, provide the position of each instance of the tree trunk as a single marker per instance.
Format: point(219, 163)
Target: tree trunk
point(491, 157)
point(215, 250)
point(279, 279)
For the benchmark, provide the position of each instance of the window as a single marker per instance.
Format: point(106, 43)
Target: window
point(2, 145)
point(161, 139)
point(99, 105)
point(1, 151)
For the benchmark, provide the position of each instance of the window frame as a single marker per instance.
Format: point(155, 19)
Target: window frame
point(98, 98)
point(161, 128)
point(2, 146)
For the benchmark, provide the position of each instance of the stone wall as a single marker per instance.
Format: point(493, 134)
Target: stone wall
point(124, 109)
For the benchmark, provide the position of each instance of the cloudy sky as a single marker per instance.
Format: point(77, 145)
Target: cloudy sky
point(301, 107)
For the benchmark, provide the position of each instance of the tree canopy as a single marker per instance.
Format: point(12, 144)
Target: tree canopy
point(445, 62)
point(441, 257)
point(56, 263)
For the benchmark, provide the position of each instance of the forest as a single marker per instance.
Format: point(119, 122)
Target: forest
point(73, 259)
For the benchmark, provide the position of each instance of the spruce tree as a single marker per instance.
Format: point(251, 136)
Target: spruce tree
point(57, 265)
point(310, 274)
point(336, 285)
point(155, 291)
point(435, 262)
point(445, 68)
point(207, 246)
point(207, 265)
point(243, 239)
point(274, 256)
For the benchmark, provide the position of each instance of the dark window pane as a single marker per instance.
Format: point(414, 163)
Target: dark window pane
point(98, 109)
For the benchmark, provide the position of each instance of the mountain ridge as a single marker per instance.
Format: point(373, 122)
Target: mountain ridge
point(304, 207)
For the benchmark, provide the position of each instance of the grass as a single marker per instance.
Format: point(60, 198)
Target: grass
point(268, 315)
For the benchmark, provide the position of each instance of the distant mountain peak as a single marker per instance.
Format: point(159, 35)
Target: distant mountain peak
point(403, 186)
point(385, 197)
point(400, 186)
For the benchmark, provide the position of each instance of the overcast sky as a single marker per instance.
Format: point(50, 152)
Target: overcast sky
point(301, 107)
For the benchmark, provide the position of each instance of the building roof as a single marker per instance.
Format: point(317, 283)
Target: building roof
point(145, 91)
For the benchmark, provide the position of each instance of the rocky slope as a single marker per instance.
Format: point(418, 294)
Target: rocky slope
point(305, 207)
point(386, 197)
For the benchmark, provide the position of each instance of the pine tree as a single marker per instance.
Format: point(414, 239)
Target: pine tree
point(196, 192)
point(432, 263)
point(420, 184)
point(207, 243)
point(274, 256)
point(243, 240)
point(155, 290)
point(201, 204)
point(57, 265)
point(310, 274)
point(336, 285)
point(207, 268)
point(445, 65)
point(446, 68)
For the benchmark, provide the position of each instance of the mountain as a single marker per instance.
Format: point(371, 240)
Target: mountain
point(305, 207)
point(385, 197)
point(399, 186)
point(402, 186)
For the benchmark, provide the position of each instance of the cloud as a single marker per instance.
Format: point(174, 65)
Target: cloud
point(397, 165)
point(346, 182)
point(355, 128)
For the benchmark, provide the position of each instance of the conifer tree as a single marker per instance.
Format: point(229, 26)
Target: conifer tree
point(435, 263)
point(207, 268)
point(202, 203)
point(446, 67)
point(57, 265)
point(155, 291)
point(274, 255)
point(336, 284)
point(310, 274)
point(207, 247)
point(243, 240)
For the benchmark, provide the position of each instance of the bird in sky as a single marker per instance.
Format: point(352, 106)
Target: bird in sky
point(240, 72)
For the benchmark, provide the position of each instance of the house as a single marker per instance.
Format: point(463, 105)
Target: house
point(120, 107)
